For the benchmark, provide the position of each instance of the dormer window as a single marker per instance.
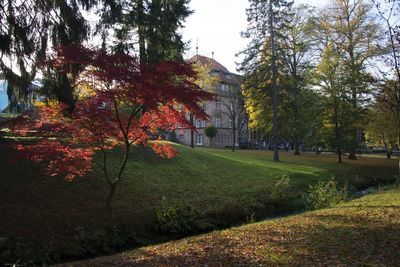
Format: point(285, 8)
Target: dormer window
point(215, 72)
point(228, 75)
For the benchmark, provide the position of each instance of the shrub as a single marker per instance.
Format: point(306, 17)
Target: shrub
point(281, 191)
point(323, 194)
point(211, 132)
point(177, 219)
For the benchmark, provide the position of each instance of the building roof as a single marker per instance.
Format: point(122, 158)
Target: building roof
point(209, 61)
point(224, 74)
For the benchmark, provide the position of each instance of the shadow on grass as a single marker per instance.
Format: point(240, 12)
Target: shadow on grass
point(338, 238)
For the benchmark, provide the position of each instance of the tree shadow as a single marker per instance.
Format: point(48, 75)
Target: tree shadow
point(368, 237)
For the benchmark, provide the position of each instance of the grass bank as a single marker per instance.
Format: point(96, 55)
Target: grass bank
point(46, 219)
point(362, 232)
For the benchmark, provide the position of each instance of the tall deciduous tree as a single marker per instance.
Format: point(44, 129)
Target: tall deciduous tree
point(111, 116)
point(297, 61)
point(233, 102)
point(381, 129)
point(390, 89)
point(352, 28)
point(329, 78)
point(266, 18)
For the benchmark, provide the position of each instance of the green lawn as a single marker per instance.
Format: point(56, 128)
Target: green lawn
point(363, 232)
point(47, 218)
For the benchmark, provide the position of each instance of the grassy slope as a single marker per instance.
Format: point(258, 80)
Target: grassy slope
point(42, 213)
point(363, 232)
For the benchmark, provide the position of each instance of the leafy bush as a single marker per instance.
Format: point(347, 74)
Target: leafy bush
point(211, 131)
point(177, 219)
point(281, 191)
point(323, 194)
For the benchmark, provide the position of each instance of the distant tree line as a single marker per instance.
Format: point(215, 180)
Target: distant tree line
point(324, 77)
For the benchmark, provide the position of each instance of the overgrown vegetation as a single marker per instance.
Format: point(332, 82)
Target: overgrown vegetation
point(324, 194)
point(362, 232)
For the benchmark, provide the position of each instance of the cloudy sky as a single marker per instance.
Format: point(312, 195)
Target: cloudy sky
point(217, 24)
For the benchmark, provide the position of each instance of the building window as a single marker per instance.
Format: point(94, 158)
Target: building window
point(199, 139)
point(224, 87)
point(215, 73)
point(218, 104)
point(200, 124)
point(228, 75)
point(218, 122)
point(181, 137)
point(230, 123)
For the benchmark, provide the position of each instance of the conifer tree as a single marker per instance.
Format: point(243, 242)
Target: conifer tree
point(148, 28)
point(266, 19)
point(27, 30)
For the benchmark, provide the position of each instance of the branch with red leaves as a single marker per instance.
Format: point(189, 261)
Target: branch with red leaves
point(126, 104)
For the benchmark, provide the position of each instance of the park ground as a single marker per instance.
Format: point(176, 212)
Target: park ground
point(362, 232)
point(47, 219)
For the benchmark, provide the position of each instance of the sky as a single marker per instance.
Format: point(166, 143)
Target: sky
point(216, 26)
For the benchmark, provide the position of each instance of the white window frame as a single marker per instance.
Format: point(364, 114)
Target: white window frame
point(218, 104)
point(218, 122)
point(198, 123)
point(199, 139)
point(224, 87)
point(230, 123)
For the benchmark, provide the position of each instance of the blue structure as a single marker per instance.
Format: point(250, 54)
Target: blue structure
point(33, 95)
point(3, 94)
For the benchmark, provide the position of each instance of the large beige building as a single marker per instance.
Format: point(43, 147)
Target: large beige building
point(226, 109)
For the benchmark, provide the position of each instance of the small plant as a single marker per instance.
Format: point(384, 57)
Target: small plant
point(178, 219)
point(323, 194)
point(252, 218)
point(280, 191)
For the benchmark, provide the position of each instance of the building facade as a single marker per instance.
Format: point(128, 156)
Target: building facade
point(226, 112)
point(22, 105)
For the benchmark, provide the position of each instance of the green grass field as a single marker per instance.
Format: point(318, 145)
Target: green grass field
point(48, 219)
point(362, 232)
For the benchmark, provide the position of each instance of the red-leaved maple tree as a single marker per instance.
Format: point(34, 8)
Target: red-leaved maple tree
point(124, 104)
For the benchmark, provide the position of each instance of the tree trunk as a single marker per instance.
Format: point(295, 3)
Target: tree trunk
point(191, 132)
point(110, 197)
point(234, 139)
point(388, 154)
point(398, 144)
point(338, 133)
point(296, 145)
point(274, 78)
point(141, 32)
point(354, 144)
